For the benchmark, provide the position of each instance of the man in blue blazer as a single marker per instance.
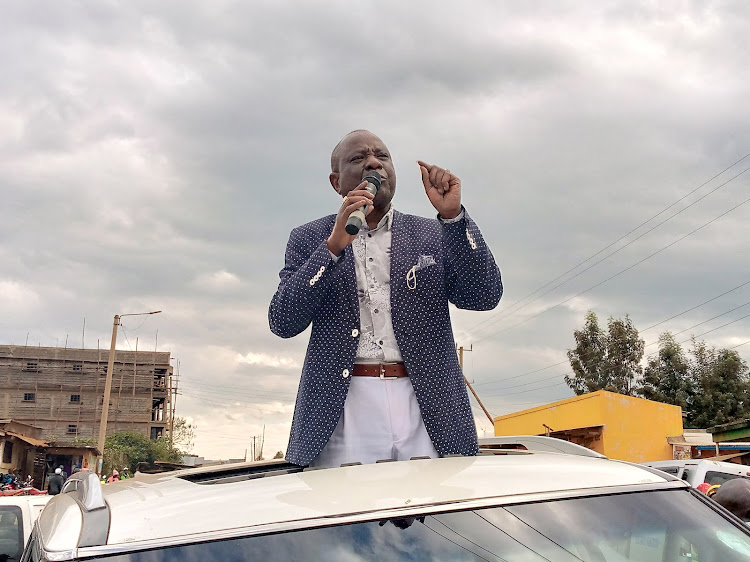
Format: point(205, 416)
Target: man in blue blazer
point(381, 377)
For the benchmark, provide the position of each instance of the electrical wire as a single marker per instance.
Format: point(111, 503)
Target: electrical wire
point(500, 391)
point(640, 332)
point(232, 403)
point(240, 393)
point(434, 518)
point(625, 236)
point(616, 274)
point(454, 542)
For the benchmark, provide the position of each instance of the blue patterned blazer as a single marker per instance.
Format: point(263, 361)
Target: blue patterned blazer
point(451, 263)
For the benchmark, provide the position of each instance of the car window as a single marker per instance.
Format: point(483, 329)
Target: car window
point(11, 533)
point(714, 477)
point(646, 526)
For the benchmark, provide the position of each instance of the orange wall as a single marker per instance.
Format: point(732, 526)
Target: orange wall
point(634, 429)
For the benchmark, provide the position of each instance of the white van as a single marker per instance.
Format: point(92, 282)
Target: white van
point(17, 517)
point(696, 471)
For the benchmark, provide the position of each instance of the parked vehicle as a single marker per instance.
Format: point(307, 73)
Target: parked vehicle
point(696, 471)
point(17, 517)
point(511, 504)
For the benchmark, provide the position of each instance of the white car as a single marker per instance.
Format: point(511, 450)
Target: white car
point(697, 471)
point(510, 505)
point(17, 517)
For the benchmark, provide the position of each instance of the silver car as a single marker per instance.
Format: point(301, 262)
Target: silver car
point(509, 505)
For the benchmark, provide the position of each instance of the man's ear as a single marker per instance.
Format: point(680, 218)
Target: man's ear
point(334, 179)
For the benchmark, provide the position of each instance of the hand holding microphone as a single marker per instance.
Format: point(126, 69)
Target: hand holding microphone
point(351, 216)
point(357, 218)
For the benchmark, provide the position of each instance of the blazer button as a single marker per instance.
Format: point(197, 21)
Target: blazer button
point(355, 333)
point(345, 374)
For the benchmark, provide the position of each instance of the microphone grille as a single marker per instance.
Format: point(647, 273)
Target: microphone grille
point(374, 178)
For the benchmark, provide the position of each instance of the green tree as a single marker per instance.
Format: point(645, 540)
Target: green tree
point(605, 360)
point(722, 386)
point(128, 448)
point(667, 376)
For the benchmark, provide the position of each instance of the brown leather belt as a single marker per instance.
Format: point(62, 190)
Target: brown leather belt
point(382, 370)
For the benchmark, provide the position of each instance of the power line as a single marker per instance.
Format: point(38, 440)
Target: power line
point(640, 332)
point(242, 393)
point(698, 305)
point(616, 274)
point(618, 240)
point(647, 356)
point(231, 388)
point(235, 403)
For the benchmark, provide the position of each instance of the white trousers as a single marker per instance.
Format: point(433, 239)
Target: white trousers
point(381, 420)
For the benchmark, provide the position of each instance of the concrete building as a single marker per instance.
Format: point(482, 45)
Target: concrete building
point(61, 391)
point(621, 427)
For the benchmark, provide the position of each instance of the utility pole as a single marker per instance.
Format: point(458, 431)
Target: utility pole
point(108, 389)
point(461, 363)
point(262, 440)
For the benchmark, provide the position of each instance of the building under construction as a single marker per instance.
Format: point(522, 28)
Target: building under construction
point(61, 391)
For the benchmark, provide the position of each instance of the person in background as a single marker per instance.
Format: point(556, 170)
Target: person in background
point(735, 496)
point(55, 484)
point(114, 477)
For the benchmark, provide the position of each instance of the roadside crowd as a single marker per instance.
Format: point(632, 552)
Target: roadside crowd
point(56, 481)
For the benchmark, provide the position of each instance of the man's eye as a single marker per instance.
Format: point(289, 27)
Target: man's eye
point(383, 156)
point(356, 159)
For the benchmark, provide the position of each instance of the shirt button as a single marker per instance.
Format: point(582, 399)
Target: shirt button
point(369, 235)
point(376, 311)
point(381, 342)
point(345, 374)
point(355, 333)
point(369, 259)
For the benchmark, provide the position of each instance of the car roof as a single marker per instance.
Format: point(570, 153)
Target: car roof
point(703, 462)
point(235, 500)
point(30, 499)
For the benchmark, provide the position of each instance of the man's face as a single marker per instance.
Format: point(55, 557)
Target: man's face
point(357, 154)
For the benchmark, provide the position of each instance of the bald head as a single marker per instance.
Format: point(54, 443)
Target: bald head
point(356, 155)
point(337, 150)
point(735, 496)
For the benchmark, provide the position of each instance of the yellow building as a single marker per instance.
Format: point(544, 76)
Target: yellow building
point(618, 426)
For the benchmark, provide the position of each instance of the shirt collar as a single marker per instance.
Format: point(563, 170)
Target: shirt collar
point(386, 221)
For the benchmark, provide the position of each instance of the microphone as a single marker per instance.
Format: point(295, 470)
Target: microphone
point(357, 218)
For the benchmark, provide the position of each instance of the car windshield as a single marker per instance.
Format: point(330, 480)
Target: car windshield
point(645, 526)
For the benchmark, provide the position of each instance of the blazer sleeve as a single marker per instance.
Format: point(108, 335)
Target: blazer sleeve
point(306, 274)
point(472, 277)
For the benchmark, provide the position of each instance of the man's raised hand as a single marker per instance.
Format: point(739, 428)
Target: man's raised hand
point(442, 188)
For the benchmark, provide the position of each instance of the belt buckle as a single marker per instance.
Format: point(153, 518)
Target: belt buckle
point(382, 372)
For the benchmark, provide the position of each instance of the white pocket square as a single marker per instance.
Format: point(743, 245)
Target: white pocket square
point(424, 261)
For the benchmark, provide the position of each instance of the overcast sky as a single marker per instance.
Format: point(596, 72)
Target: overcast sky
point(156, 155)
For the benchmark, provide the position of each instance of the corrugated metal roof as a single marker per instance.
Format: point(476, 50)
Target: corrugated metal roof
point(29, 440)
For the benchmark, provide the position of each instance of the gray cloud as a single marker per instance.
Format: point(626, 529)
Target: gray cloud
point(157, 156)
